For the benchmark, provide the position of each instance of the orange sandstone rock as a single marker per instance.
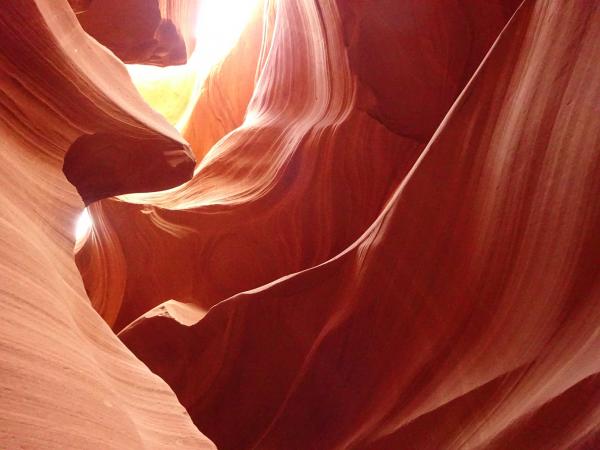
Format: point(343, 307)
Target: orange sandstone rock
point(465, 316)
point(389, 239)
point(66, 381)
point(300, 179)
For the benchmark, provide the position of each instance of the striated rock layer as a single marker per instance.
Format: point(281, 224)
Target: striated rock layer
point(464, 315)
point(302, 178)
point(389, 239)
point(66, 381)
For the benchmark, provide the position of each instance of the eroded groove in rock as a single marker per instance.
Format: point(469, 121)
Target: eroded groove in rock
point(306, 167)
point(389, 239)
point(474, 292)
point(66, 381)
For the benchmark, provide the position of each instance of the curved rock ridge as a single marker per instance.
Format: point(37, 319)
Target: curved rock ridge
point(221, 104)
point(466, 315)
point(388, 240)
point(156, 32)
point(299, 180)
point(66, 381)
point(410, 85)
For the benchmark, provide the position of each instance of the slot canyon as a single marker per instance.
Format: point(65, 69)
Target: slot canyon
point(300, 224)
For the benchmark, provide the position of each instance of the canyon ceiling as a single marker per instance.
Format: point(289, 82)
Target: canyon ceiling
point(361, 224)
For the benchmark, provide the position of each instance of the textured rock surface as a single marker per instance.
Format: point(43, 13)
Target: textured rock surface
point(465, 316)
point(66, 381)
point(389, 240)
point(437, 45)
point(301, 168)
point(158, 32)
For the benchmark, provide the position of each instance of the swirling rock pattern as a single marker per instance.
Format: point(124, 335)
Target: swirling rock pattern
point(304, 137)
point(389, 240)
point(465, 316)
point(66, 381)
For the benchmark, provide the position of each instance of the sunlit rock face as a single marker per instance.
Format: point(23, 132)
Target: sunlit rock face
point(370, 225)
point(66, 381)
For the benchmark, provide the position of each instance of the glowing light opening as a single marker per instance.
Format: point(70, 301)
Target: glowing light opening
point(219, 25)
point(83, 225)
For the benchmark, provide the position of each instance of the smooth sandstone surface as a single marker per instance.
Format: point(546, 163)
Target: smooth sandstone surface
point(465, 316)
point(157, 32)
point(66, 381)
point(378, 228)
point(301, 168)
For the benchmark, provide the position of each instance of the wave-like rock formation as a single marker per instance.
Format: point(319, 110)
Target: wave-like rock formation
point(471, 302)
point(291, 187)
point(66, 381)
point(389, 239)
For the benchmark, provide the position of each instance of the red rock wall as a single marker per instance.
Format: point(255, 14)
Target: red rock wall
point(389, 241)
point(301, 168)
point(66, 381)
point(465, 316)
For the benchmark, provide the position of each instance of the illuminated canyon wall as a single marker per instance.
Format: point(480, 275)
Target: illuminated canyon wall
point(349, 224)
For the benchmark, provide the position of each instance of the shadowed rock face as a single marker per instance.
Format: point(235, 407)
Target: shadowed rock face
point(389, 240)
point(99, 165)
point(140, 31)
point(310, 141)
point(437, 47)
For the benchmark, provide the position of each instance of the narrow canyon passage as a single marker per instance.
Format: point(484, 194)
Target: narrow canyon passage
point(300, 224)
